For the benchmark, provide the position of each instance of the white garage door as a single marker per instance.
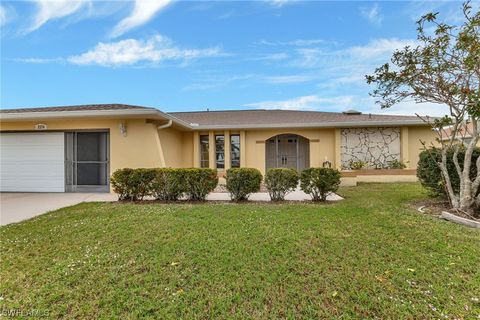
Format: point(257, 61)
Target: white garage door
point(32, 162)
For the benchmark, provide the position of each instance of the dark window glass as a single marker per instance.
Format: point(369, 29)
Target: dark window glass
point(91, 146)
point(235, 150)
point(204, 156)
point(93, 174)
point(220, 151)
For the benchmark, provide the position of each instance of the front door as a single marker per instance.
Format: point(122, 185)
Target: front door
point(287, 152)
point(87, 161)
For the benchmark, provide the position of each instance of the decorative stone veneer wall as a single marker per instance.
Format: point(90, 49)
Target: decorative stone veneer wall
point(374, 146)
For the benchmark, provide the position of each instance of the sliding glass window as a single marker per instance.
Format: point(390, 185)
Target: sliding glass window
point(220, 151)
point(204, 156)
point(235, 150)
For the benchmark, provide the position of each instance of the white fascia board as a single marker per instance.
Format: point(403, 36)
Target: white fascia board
point(316, 125)
point(58, 115)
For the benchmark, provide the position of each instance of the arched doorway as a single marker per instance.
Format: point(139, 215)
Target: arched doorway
point(287, 151)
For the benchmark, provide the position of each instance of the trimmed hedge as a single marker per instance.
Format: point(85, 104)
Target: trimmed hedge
point(168, 184)
point(280, 182)
point(319, 182)
point(121, 183)
point(199, 182)
point(164, 184)
point(132, 184)
point(241, 182)
point(430, 175)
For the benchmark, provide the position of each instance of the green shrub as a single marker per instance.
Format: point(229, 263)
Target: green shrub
point(120, 183)
point(357, 165)
point(241, 182)
point(168, 184)
point(396, 164)
point(430, 175)
point(199, 182)
point(280, 182)
point(319, 182)
point(132, 184)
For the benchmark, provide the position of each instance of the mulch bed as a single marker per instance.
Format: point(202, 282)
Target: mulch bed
point(435, 207)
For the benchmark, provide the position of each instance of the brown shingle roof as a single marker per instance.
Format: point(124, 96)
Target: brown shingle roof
point(85, 107)
point(239, 118)
point(279, 117)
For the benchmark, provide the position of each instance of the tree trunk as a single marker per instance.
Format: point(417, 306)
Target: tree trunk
point(467, 195)
point(448, 184)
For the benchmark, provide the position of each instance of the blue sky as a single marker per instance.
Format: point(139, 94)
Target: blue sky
point(193, 55)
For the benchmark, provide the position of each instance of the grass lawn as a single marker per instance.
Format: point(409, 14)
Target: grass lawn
point(369, 256)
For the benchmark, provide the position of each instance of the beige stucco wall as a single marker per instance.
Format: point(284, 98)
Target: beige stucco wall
point(322, 146)
point(171, 145)
point(187, 150)
point(139, 148)
point(415, 135)
point(145, 146)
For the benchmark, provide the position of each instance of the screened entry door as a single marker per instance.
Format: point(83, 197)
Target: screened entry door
point(87, 161)
point(287, 151)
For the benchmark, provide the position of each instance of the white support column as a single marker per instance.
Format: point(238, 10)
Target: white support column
point(338, 148)
point(211, 150)
point(404, 147)
point(196, 150)
point(227, 149)
point(243, 155)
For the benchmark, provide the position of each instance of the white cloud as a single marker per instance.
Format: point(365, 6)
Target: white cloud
point(410, 108)
point(372, 14)
point(277, 3)
point(271, 57)
point(39, 60)
point(379, 48)
point(3, 15)
point(54, 9)
point(310, 102)
point(143, 11)
point(157, 49)
point(217, 82)
point(297, 42)
point(288, 79)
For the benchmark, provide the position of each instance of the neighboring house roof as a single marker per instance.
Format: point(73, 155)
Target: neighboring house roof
point(203, 120)
point(463, 132)
point(289, 118)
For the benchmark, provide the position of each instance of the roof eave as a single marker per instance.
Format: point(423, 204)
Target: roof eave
point(356, 124)
point(122, 113)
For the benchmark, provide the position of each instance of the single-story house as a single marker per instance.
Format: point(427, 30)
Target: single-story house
point(77, 148)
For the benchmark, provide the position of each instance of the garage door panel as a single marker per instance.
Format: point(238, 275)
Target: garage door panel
point(45, 170)
point(32, 162)
point(39, 185)
point(17, 154)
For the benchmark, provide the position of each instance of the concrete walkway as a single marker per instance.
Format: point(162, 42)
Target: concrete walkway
point(15, 207)
point(297, 195)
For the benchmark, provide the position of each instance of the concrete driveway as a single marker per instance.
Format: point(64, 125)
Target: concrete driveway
point(15, 207)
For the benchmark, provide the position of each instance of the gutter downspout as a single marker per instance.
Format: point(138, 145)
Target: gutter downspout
point(167, 125)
